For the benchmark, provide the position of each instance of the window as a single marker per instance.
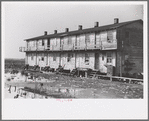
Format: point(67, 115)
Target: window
point(42, 42)
point(109, 57)
point(69, 57)
point(110, 36)
point(127, 34)
point(69, 41)
point(46, 58)
point(87, 38)
point(42, 58)
point(62, 40)
point(102, 57)
point(48, 42)
point(86, 58)
point(55, 42)
point(34, 43)
point(103, 54)
point(32, 56)
point(54, 57)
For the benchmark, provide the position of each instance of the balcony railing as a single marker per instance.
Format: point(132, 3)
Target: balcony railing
point(52, 48)
point(63, 47)
point(22, 49)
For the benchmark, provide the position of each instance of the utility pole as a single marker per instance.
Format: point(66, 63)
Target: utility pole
point(36, 51)
point(35, 87)
point(120, 66)
point(121, 60)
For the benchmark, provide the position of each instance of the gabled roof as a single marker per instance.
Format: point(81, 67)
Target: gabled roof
point(94, 29)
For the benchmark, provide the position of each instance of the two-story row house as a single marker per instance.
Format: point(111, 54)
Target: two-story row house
point(93, 48)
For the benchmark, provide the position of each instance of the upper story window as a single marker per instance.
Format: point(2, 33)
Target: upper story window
point(86, 58)
point(109, 57)
point(48, 42)
point(62, 40)
point(55, 42)
point(87, 38)
point(42, 42)
point(77, 42)
point(127, 34)
point(65, 41)
point(69, 40)
point(32, 43)
point(110, 36)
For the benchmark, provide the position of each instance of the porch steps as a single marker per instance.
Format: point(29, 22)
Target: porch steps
point(73, 72)
point(60, 69)
point(93, 73)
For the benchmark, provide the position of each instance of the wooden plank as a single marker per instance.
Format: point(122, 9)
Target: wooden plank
point(141, 80)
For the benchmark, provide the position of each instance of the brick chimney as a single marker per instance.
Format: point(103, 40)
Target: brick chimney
point(66, 29)
point(116, 21)
point(96, 24)
point(55, 31)
point(80, 27)
point(45, 33)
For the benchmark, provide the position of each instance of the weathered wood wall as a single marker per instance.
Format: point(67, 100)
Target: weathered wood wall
point(69, 65)
point(132, 47)
point(51, 62)
point(82, 41)
point(103, 61)
point(77, 59)
point(105, 40)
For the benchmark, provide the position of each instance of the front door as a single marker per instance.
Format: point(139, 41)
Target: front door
point(102, 67)
point(48, 44)
point(96, 60)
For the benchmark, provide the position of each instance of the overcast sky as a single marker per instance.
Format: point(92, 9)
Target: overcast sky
point(23, 20)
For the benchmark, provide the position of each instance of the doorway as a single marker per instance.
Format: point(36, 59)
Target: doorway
point(48, 44)
point(97, 61)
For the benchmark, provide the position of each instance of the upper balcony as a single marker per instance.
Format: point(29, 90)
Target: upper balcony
point(97, 46)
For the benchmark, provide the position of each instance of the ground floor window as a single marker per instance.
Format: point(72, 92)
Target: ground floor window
point(86, 58)
point(42, 58)
point(42, 42)
point(47, 60)
point(103, 56)
point(54, 57)
point(109, 57)
point(32, 56)
point(70, 55)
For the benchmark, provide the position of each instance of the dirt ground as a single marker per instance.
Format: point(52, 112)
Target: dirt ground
point(59, 86)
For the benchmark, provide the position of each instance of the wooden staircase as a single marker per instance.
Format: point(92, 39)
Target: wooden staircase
point(93, 73)
point(73, 72)
point(59, 70)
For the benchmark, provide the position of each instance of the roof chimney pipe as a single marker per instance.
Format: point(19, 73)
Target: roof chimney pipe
point(67, 30)
point(80, 27)
point(116, 21)
point(96, 24)
point(55, 31)
point(45, 33)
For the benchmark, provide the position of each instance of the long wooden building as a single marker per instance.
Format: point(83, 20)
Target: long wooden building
point(119, 45)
